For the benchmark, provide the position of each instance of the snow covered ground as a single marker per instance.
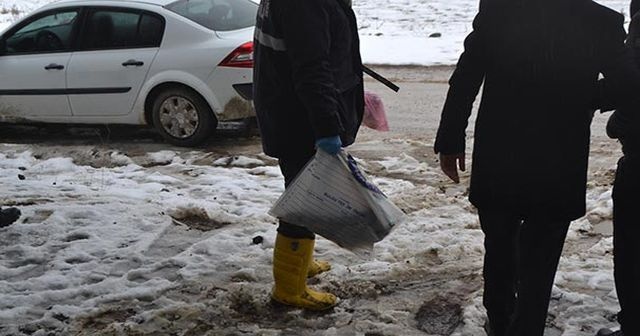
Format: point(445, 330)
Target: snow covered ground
point(11, 10)
point(161, 243)
point(398, 31)
point(392, 31)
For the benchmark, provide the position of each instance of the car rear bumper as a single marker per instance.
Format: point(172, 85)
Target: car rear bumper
point(237, 108)
point(233, 89)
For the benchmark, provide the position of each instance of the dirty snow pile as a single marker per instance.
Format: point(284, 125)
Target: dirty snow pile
point(165, 243)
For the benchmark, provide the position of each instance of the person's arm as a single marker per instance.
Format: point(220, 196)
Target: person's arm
point(464, 86)
point(307, 35)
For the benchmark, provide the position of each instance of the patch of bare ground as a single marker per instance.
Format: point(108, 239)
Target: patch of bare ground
point(425, 299)
point(197, 219)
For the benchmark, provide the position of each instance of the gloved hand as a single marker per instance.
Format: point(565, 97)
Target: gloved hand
point(331, 145)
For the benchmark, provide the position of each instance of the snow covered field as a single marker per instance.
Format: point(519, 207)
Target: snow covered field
point(11, 10)
point(392, 31)
point(398, 31)
point(161, 243)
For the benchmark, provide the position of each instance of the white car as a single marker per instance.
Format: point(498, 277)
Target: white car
point(180, 66)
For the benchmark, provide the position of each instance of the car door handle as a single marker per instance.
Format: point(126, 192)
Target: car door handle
point(54, 66)
point(132, 62)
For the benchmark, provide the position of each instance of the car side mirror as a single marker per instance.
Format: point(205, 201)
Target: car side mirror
point(3, 47)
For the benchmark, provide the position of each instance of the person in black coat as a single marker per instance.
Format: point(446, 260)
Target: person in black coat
point(625, 126)
point(308, 92)
point(539, 61)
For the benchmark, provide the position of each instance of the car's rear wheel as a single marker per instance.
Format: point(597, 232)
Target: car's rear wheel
point(183, 117)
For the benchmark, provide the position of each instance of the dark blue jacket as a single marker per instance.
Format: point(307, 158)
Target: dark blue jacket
point(307, 74)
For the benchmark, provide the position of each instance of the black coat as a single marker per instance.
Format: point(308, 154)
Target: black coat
point(539, 61)
point(634, 7)
point(307, 74)
point(624, 124)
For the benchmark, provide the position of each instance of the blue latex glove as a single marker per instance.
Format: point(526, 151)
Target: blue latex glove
point(331, 145)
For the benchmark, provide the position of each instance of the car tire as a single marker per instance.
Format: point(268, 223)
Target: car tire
point(183, 117)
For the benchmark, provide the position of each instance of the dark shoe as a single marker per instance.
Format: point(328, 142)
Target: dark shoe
point(608, 332)
point(8, 216)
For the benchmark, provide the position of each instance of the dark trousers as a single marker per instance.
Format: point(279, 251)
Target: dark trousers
point(521, 259)
point(291, 166)
point(626, 240)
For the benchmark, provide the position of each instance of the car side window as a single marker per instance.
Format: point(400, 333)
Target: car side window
point(47, 34)
point(150, 31)
point(121, 29)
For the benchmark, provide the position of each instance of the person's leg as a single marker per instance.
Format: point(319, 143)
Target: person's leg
point(501, 232)
point(626, 224)
point(291, 261)
point(293, 254)
point(540, 246)
point(290, 167)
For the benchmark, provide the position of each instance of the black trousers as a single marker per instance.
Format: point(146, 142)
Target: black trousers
point(290, 166)
point(626, 240)
point(521, 258)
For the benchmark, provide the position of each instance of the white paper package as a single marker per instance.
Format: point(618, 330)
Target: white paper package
point(334, 198)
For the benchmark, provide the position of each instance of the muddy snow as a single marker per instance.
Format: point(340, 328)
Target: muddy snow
point(178, 243)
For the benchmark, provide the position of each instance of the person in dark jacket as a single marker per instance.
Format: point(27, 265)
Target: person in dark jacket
point(308, 92)
point(625, 126)
point(539, 61)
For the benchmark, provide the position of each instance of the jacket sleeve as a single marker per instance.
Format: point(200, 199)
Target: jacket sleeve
point(464, 86)
point(621, 84)
point(306, 26)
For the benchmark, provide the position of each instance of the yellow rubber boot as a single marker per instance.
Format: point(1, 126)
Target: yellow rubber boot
point(291, 259)
point(316, 267)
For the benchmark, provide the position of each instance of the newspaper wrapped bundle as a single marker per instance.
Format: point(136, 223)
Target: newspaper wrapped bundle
point(334, 198)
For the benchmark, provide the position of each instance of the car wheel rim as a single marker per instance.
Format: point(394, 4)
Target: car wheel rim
point(179, 117)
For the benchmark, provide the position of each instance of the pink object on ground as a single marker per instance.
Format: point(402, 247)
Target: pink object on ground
point(375, 116)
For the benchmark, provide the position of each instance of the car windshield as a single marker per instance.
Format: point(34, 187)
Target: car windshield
point(218, 15)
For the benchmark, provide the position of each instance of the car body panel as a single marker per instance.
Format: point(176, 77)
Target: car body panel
point(27, 89)
point(189, 55)
point(104, 69)
point(236, 107)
